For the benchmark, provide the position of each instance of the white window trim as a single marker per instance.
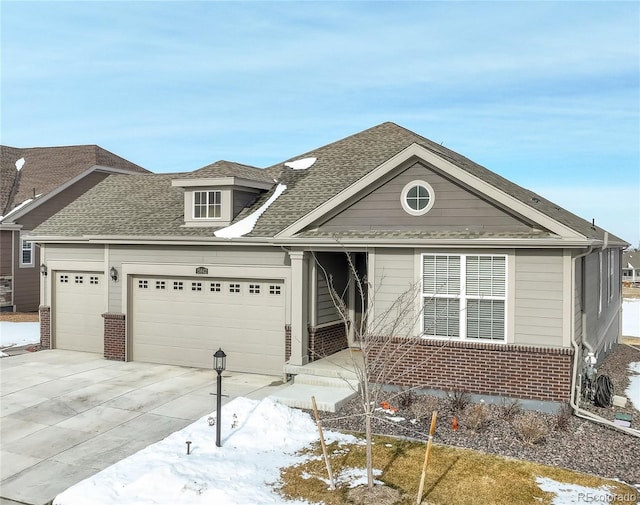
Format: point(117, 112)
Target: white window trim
point(405, 191)
point(463, 297)
point(219, 205)
point(32, 251)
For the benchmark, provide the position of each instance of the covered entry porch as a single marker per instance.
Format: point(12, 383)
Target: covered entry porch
point(329, 297)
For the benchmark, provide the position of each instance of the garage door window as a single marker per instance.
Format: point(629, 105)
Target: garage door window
point(143, 284)
point(196, 286)
point(234, 288)
point(178, 285)
point(161, 285)
point(64, 279)
point(93, 280)
point(214, 287)
point(254, 289)
point(274, 289)
point(79, 279)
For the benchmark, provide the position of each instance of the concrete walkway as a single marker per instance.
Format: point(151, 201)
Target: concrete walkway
point(66, 415)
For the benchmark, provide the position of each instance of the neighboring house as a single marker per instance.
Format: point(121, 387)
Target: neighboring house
point(168, 268)
point(631, 268)
point(35, 183)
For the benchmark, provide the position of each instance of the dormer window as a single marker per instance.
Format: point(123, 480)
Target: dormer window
point(207, 204)
point(215, 201)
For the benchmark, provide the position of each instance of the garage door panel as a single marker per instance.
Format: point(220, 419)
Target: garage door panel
point(186, 326)
point(77, 314)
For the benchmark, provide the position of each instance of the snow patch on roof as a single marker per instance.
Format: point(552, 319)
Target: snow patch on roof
point(301, 164)
point(16, 208)
point(247, 224)
point(19, 164)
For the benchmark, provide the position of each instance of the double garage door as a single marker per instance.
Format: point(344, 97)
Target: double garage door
point(183, 321)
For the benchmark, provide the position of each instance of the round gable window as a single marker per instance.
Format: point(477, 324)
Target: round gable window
point(417, 198)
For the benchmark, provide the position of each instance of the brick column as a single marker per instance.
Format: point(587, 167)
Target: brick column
point(45, 327)
point(287, 342)
point(115, 334)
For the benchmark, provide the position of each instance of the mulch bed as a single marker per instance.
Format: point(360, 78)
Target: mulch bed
point(20, 317)
point(571, 442)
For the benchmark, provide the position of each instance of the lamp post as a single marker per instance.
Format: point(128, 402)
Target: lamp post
point(219, 361)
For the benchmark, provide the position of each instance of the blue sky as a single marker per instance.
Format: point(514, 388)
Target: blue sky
point(546, 94)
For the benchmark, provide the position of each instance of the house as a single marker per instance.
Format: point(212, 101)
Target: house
point(631, 268)
point(35, 183)
point(169, 268)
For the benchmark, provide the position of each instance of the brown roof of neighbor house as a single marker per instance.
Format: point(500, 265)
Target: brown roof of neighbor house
point(46, 168)
point(338, 165)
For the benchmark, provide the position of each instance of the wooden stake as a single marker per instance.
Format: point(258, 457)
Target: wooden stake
point(323, 444)
point(426, 457)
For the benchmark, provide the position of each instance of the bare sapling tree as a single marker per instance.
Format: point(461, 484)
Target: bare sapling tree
point(387, 340)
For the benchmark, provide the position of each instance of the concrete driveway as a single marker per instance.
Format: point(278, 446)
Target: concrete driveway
point(67, 415)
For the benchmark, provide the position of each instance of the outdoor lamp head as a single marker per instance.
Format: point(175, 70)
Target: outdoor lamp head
point(219, 361)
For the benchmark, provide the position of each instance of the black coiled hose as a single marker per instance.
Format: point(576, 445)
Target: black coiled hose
point(603, 391)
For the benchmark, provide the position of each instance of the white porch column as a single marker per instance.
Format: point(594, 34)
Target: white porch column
point(351, 304)
point(299, 308)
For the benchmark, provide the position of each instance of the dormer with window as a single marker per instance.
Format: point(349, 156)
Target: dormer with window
point(216, 201)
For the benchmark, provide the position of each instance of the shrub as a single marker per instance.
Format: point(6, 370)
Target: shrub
point(424, 406)
point(563, 417)
point(459, 401)
point(530, 428)
point(477, 417)
point(509, 409)
point(406, 398)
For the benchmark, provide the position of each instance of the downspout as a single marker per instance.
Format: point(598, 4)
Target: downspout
point(585, 414)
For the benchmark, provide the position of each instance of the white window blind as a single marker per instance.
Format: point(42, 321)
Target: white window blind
point(473, 309)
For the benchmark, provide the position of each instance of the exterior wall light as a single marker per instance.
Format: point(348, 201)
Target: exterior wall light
point(114, 274)
point(43, 269)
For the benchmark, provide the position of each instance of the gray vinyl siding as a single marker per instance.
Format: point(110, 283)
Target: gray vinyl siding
point(602, 326)
point(189, 255)
point(336, 267)
point(74, 252)
point(242, 199)
point(538, 297)
point(395, 273)
point(455, 208)
point(579, 281)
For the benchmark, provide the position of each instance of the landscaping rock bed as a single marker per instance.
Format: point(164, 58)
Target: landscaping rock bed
point(559, 439)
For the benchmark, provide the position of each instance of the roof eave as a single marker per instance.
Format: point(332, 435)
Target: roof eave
point(417, 151)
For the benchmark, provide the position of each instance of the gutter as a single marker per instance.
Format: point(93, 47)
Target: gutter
point(577, 355)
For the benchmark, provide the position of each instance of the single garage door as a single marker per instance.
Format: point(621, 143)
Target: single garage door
point(78, 305)
point(183, 321)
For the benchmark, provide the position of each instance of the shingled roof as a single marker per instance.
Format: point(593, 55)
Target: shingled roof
point(148, 205)
point(47, 168)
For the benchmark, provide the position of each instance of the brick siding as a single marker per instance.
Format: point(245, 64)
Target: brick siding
point(45, 327)
point(327, 340)
point(114, 336)
point(525, 372)
point(287, 342)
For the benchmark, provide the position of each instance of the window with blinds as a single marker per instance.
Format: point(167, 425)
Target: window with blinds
point(464, 296)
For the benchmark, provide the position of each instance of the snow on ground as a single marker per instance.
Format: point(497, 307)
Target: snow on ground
point(16, 334)
point(566, 494)
point(633, 389)
point(242, 471)
point(631, 317)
